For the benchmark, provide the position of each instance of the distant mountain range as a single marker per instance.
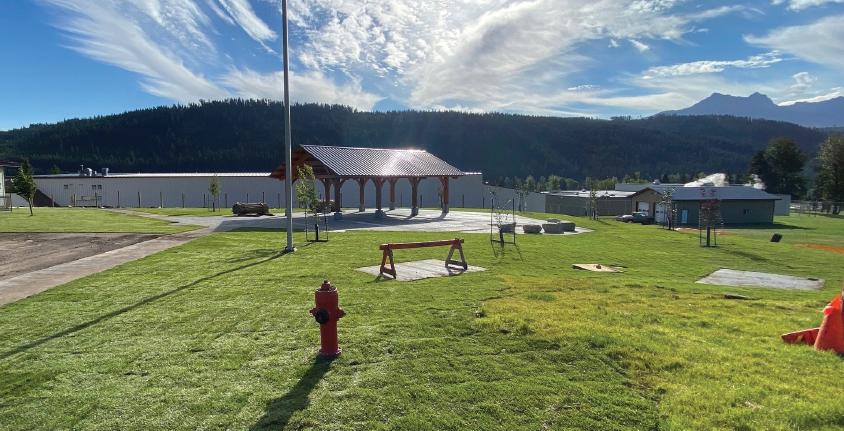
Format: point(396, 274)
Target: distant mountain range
point(829, 113)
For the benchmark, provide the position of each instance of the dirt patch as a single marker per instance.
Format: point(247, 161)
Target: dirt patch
point(829, 248)
point(27, 252)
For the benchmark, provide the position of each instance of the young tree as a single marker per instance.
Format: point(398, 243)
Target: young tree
point(831, 169)
point(554, 183)
point(24, 184)
point(214, 189)
point(530, 184)
point(780, 167)
point(305, 188)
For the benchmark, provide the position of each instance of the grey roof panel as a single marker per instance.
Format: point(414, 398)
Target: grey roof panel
point(351, 161)
point(723, 193)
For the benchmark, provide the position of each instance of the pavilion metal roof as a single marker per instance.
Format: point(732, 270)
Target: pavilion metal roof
point(372, 162)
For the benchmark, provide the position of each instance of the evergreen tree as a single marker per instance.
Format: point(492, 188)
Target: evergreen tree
point(24, 184)
point(831, 169)
point(780, 167)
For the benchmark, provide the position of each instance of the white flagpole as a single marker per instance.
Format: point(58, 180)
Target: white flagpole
point(288, 168)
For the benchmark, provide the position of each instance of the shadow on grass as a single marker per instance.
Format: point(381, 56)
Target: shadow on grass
point(280, 410)
point(145, 301)
point(773, 226)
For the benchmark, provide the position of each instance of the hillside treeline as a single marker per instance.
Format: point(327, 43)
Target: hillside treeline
point(246, 135)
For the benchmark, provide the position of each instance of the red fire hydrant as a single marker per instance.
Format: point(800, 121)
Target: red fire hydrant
point(327, 312)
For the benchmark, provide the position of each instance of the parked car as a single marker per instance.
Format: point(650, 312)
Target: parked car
point(636, 217)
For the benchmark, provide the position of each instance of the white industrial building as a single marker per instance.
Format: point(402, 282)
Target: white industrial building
point(146, 190)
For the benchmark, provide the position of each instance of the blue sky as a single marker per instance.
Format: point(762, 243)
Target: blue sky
point(78, 58)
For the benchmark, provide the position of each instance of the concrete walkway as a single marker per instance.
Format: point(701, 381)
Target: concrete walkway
point(22, 286)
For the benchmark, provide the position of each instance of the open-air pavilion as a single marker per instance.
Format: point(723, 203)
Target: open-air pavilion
point(333, 166)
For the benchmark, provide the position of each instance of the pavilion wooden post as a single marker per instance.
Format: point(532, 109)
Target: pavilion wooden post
point(338, 183)
point(379, 186)
point(392, 182)
point(414, 196)
point(326, 184)
point(444, 181)
point(361, 185)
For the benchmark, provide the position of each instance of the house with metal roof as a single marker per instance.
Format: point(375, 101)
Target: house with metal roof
point(333, 166)
point(739, 205)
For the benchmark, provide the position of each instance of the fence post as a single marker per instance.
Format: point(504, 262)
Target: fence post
point(160, 199)
point(139, 199)
point(226, 197)
point(263, 201)
point(247, 197)
point(279, 200)
point(118, 199)
point(183, 200)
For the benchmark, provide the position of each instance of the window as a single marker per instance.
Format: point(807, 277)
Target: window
point(746, 211)
point(65, 186)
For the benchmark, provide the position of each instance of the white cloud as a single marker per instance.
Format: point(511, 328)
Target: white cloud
point(820, 42)
point(490, 53)
point(798, 5)
point(106, 31)
point(714, 66)
point(803, 81)
point(242, 13)
point(641, 47)
point(832, 94)
point(305, 87)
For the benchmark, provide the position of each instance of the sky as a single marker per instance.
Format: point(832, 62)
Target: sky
point(598, 58)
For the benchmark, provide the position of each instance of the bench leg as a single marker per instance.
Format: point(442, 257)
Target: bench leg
point(461, 262)
point(388, 254)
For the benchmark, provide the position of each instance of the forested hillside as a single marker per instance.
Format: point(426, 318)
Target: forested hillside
point(246, 135)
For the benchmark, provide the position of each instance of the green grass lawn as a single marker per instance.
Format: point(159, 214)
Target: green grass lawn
point(216, 334)
point(83, 220)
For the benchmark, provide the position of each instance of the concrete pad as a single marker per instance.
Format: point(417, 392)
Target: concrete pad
point(732, 277)
point(595, 267)
point(417, 270)
point(397, 220)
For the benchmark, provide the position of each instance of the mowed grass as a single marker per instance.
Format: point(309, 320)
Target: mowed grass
point(216, 334)
point(91, 220)
point(201, 212)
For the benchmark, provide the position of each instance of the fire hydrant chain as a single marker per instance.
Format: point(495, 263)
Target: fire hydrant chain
point(327, 312)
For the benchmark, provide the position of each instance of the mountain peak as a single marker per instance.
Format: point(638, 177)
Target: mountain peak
point(758, 105)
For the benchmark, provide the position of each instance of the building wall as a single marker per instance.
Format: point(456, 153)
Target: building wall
point(735, 212)
point(530, 201)
point(192, 191)
point(650, 197)
point(568, 205)
point(578, 205)
point(2, 181)
point(782, 207)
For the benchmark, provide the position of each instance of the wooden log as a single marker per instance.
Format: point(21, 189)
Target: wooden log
point(240, 209)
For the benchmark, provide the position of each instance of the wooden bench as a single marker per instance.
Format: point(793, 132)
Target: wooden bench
point(456, 244)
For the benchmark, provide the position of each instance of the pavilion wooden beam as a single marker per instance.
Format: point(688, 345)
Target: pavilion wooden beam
point(338, 183)
point(379, 186)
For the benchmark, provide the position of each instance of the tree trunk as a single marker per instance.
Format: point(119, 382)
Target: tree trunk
point(30, 207)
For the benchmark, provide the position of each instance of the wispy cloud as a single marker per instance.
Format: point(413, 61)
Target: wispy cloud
point(820, 42)
point(798, 5)
point(242, 13)
point(714, 66)
point(104, 31)
point(306, 87)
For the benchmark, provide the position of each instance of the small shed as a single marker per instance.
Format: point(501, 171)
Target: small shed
point(333, 166)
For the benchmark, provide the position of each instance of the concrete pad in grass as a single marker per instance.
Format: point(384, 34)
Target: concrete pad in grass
point(417, 270)
point(732, 277)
